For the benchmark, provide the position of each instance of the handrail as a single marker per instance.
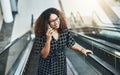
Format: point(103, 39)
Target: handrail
point(17, 39)
point(104, 22)
point(13, 42)
point(104, 28)
point(90, 38)
point(101, 62)
point(32, 20)
point(110, 28)
point(100, 27)
point(104, 64)
point(110, 13)
point(72, 15)
point(98, 19)
point(80, 17)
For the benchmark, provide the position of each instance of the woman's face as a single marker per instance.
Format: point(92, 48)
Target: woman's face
point(54, 21)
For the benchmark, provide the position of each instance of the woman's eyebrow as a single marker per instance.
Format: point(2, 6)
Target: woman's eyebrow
point(54, 19)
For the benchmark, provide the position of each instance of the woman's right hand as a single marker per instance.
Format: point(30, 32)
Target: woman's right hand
point(46, 49)
point(49, 34)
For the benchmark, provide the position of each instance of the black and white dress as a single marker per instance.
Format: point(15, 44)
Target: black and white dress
point(55, 63)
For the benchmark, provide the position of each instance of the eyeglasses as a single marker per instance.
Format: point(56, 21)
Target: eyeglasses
point(53, 21)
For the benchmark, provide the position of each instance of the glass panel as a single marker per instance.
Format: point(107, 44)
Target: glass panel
point(105, 44)
point(103, 39)
point(10, 58)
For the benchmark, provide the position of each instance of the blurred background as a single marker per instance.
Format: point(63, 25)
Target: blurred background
point(95, 25)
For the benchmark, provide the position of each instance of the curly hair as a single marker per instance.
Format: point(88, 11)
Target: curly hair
point(41, 24)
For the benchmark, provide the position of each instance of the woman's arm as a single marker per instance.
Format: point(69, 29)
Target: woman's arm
point(84, 51)
point(46, 49)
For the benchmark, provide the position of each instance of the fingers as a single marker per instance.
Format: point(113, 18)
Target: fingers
point(50, 30)
point(88, 52)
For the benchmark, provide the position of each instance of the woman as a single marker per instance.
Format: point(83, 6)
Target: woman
point(52, 36)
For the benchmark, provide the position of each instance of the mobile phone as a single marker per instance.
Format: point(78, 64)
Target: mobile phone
point(49, 27)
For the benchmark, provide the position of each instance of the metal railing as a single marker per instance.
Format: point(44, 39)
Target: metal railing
point(13, 53)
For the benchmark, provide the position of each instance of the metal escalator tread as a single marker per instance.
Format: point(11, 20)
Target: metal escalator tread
point(79, 64)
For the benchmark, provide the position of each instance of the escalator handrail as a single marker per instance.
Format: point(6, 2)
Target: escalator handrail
point(103, 64)
point(111, 27)
point(101, 27)
point(80, 17)
point(107, 28)
point(96, 41)
point(17, 39)
point(104, 22)
point(99, 20)
point(13, 42)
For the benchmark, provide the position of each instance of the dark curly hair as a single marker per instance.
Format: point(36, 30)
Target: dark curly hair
point(41, 24)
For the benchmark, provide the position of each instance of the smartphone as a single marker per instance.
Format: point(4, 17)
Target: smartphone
point(49, 26)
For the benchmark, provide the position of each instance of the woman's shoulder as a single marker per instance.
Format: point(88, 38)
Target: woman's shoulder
point(66, 31)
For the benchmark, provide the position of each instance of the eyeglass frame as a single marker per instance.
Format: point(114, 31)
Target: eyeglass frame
point(53, 21)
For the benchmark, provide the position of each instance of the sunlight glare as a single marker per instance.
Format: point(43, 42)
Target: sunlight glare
point(87, 6)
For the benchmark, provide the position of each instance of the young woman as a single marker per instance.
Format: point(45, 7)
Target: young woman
point(52, 36)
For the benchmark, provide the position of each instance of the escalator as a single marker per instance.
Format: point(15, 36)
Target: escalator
point(105, 31)
point(81, 66)
point(18, 57)
point(110, 12)
point(100, 48)
point(103, 39)
point(14, 56)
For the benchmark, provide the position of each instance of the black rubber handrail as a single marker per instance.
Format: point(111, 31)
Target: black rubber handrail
point(102, 28)
point(13, 42)
point(102, 63)
point(17, 39)
point(90, 38)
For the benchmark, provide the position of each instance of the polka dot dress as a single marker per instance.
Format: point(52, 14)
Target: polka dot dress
point(55, 63)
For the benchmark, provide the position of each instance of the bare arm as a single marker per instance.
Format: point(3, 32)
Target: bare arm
point(46, 49)
point(84, 51)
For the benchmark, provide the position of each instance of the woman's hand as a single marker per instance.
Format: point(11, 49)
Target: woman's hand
point(49, 34)
point(86, 52)
point(46, 49)
point(76, 47)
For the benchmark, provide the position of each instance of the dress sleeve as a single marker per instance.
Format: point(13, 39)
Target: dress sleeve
point(70, 40)
point(38, 44)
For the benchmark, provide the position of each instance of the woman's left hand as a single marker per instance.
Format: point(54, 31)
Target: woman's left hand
point(86, 52)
